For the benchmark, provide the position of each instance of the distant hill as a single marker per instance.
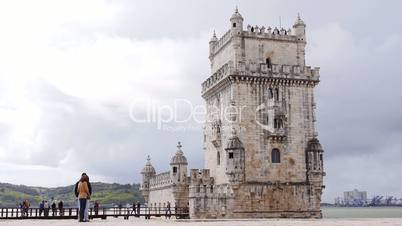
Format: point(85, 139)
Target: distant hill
point(11, 195)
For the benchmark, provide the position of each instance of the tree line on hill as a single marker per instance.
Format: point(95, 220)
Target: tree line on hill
point(12, 195)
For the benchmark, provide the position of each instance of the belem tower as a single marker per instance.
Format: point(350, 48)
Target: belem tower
point(262, 155)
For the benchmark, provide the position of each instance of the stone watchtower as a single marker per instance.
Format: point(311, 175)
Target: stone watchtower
point(262, 155)
point(147, 173)
point(178, 174)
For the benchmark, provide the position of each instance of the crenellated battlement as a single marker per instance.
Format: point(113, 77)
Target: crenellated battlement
point(278, 34)
point(221, 42)
point(255, 32)
point(275, 71)
point(200, 177)
point(160, 180)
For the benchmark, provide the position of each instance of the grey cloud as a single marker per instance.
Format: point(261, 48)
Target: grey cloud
point(102, 140)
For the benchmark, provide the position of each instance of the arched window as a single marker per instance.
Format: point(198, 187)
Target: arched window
point(278, 123)
point(268, 62)
point(271, 93)
point(174, 169)
point(234, 24)
point(218, 158)
point(276, 94)
point(275, 156)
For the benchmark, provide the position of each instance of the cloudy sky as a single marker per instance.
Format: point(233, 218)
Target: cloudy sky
point(72, 72)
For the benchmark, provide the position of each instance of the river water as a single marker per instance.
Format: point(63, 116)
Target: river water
point(362, 212)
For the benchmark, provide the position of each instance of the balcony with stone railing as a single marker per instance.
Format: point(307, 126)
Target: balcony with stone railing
point(160, 180)
point(221, 42)
point(295, 72)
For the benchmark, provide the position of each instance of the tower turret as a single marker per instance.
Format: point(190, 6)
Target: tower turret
point(314, 160)
point(235, 159)
point(212, 43)
point(236, 21)
point(300, 29)
point(147, 173)
point(315, 171)
point(178, 166)
point(300, 32)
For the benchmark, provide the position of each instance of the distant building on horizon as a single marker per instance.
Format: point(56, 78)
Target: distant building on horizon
point(352, 198)
point(355, 196)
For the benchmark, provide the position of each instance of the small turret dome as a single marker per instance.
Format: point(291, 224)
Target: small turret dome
point(234, 142)
point(179, 157)
point(314, 145)
point(148, 168)
point(299, 21)
point(236, 15)
point(214, 38)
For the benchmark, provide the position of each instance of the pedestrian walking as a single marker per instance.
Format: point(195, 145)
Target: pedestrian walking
point(60, 205)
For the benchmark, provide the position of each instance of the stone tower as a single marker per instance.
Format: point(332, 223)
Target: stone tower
point(178, 174)
point(262, 155)
point(147, 173)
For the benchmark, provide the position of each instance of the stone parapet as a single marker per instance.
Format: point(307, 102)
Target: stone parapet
point(285, 72)
point(160, 180)
point(256, 32)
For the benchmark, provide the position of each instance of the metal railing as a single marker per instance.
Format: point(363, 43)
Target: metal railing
point(103, 213)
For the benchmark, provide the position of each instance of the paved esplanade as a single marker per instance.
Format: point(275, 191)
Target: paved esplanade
point(162, 222)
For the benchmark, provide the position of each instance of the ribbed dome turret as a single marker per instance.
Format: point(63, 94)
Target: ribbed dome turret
point(179, 157)
point(234, 142)
point(299, 21)
point(148, 168)
point(214, 38)
point(236, 15)
point(314, 145)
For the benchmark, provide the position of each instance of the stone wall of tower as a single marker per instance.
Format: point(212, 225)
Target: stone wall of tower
point(280, 52)
point(160, 197)
point(163, 190)
point(223, 53)
point(216, 115)
point(254, 200)
point(296, 105)
point(207, 199)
